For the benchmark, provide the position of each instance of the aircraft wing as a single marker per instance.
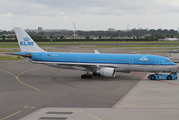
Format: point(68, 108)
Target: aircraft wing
point(79, 64)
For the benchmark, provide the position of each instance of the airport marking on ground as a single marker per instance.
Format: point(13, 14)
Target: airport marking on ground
point(127, 93)
point(17, 112)
point(88, 114)
point(94, 117)
point(129, 104)
point(17, 77)
point(167, 82)
point(29, 107)
point(26, 106)
point(141, 74)
point(159, 54)
point(74, 111)
point(11, 115)
point(77, 111)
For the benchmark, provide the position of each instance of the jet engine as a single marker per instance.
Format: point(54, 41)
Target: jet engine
point(107, 72)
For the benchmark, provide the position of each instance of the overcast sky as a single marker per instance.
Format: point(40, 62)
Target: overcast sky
point(89, 14)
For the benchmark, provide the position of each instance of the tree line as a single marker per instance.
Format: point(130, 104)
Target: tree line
point(130, 34)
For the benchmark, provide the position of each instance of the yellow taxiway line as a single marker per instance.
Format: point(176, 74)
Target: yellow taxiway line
point(94, 117)
point(10, 115)
point(17, 77)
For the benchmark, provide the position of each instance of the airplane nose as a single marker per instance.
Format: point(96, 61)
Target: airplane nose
point(173, 63)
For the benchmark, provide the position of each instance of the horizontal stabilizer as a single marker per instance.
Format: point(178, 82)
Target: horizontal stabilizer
point(29, 55)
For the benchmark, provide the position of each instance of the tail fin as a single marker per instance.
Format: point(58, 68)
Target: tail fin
point(26, 43)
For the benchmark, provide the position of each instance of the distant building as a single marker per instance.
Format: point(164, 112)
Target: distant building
point(57, 34)
point(31, 30)
point(48, 30)
point(40, 29)
point(27, 30)
point(1, 30)
point(147, 35)
point(11, 34)
point(178, 29)
point(129, 30)
point(110, 29)
point(56, 30)
point(169, 39)
point(63, 30)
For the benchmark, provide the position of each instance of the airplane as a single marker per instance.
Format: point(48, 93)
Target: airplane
point(96, 63)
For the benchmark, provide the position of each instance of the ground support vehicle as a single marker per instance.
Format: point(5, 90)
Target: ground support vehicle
point(171, 76)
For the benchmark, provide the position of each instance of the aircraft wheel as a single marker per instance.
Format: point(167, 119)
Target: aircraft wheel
point(94, 74)
point(152, 77)
point(89, 76)
point(169, 77)
point(83, 76)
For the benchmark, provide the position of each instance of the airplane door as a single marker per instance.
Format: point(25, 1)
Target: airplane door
point(44, 57)
point(157, 61)
point(130, 66)
point(131, 59)
point(78, 60)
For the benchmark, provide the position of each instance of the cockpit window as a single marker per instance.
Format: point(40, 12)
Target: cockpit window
point(167, 61)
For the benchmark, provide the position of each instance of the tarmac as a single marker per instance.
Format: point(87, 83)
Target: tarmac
point(148, 100)
point(37, 92)
point(27, 87)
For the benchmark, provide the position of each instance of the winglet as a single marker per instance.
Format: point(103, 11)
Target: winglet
point(96, 52)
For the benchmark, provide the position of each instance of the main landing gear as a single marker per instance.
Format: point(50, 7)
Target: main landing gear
point(88, 75)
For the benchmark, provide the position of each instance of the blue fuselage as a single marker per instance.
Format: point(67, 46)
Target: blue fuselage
point(100, 58)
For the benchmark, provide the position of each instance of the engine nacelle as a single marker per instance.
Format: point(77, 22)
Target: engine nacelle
point(107, 72)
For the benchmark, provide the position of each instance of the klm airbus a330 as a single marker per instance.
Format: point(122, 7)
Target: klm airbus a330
point(98, 64)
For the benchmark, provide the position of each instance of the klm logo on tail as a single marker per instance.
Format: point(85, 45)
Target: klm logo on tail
point(26, 42)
